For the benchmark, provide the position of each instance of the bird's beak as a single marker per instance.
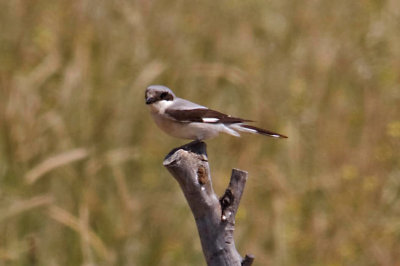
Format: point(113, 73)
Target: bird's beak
point(150, 100)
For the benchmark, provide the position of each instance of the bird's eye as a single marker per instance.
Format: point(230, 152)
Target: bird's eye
point(163, 95)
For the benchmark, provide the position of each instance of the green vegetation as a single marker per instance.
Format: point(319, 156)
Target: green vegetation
point(81, 176)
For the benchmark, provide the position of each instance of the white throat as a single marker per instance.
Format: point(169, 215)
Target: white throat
point(160, 106)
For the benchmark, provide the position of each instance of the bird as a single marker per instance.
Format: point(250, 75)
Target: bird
point(184, 119)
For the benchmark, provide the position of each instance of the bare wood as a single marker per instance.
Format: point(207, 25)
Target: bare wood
point(215, 218)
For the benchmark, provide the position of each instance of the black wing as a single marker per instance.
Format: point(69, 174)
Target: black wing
point(203, 115)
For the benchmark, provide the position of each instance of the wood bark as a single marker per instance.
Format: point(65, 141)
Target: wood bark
point(215, 217)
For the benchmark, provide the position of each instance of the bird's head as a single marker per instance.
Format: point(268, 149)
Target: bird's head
point(157, 93)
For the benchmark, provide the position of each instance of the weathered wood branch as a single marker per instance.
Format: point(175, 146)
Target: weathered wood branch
point(215, 218)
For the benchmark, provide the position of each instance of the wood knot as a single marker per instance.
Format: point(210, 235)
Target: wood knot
point(226, 201)
point(202, 175)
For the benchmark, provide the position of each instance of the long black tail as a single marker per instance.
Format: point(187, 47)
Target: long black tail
point(253, 129)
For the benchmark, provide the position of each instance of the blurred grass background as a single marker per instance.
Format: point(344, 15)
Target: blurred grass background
point(81, 176)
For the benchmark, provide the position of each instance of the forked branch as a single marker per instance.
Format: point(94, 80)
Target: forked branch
point(215, 218)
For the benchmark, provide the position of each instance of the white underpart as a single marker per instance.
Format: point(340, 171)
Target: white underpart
point(275, 136)
point(210, 119)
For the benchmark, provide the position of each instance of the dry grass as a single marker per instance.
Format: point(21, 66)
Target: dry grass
point(77, 151)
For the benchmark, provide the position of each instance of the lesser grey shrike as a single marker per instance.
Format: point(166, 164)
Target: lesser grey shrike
point(181, 118)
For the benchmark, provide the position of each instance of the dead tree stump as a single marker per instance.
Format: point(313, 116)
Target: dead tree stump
point(215, 217)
